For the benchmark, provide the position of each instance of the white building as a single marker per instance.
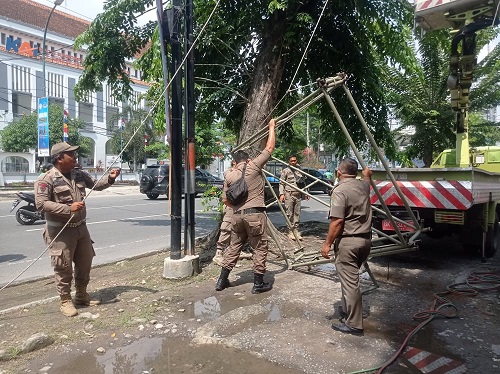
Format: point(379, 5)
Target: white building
point(22, 25)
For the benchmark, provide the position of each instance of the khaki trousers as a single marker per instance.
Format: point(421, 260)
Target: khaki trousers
point(73, 245)
point(292, 207)
point(351, 253)
point(224, 235)
point(251, 227)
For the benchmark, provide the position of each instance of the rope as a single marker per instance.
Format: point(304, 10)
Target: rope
point(161, 97)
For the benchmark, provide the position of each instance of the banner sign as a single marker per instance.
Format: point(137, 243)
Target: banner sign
point(43, 127)
point(65, 126)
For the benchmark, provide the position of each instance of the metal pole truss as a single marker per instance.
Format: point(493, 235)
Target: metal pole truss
point(382, 244)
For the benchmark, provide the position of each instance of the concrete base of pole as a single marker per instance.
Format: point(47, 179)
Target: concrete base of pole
point(187, 266)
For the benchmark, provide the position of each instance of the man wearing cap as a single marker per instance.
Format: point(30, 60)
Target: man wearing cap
point(60, 193)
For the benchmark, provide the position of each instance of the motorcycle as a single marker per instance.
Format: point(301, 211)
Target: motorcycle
point(26, 214)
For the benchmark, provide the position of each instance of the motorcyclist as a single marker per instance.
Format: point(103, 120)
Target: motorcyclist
point(45, 168)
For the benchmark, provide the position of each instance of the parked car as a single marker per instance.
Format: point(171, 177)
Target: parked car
point(154, 181)
point(317, 186)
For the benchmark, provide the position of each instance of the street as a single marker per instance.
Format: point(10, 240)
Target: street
point(123, 224)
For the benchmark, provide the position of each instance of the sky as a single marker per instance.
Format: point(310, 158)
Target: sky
point(86, 9)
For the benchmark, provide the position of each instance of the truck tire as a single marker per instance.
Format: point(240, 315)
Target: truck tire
point(152, 196)
point(492, 239)
point(472, 240)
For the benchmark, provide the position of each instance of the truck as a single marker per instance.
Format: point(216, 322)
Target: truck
point(460, 192)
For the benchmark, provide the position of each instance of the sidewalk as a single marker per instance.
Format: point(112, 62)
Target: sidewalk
point(142, 312)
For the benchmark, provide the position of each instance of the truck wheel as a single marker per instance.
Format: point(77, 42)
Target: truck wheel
point(492, 239)
point(152, 196)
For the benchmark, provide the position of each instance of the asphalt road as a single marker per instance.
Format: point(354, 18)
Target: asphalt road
point(123, 224)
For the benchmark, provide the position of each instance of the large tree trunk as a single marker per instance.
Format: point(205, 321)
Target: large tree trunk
point(264, 88)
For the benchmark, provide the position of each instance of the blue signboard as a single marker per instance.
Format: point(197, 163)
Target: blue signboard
point(43, 127)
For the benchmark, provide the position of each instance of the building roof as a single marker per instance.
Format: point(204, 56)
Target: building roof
point(36, 15)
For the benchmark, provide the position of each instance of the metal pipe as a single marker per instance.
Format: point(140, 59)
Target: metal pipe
point(360, 159)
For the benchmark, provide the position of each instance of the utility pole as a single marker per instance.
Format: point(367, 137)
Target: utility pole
point(176, 144)
point(190, 164)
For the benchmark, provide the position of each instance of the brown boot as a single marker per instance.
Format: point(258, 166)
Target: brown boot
point(83, 298)
point(67, 308)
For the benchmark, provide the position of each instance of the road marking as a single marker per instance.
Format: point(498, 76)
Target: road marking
point(427, 362)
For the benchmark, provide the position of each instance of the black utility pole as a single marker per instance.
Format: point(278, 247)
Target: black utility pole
point(170, 28)
point(176, 146)
point(189, 197)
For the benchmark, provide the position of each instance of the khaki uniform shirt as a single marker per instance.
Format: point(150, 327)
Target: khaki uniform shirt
point(54, 194)
point(290, 176)
point(351, 200)
point(253, 179)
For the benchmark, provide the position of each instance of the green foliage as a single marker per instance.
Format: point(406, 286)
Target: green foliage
point(420, 96)
point(353, 36)
point(132, 133)
point(22, 135)
point(158, 150)
point(349, 37)
point(211, 200)
point(112, 38)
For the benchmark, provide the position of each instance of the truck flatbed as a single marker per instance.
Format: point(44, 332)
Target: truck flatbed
point(446, 188)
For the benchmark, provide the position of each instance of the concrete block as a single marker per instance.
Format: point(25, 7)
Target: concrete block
point(187, 266)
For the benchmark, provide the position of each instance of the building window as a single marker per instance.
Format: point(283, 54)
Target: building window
point(86, 112)
point(57, 101)
point(15, 164)
point(21, 78)
point(55, 85)
point(21, 104)
point(109, 99)
point(136, 100)
point(112, 119)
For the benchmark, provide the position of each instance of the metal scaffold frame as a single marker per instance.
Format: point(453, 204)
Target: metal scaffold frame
point(382, 244)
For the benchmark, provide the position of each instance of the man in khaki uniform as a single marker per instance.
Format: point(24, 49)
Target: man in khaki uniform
point(291, 196)
point(249, 217)
point(224, 235)
point(350, 228)
point(60, 193)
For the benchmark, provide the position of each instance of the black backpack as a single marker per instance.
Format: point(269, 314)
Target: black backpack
point(238, 191)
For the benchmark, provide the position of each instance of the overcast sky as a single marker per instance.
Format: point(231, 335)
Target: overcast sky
point(86, 9)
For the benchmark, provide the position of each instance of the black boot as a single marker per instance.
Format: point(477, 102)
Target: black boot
point(223, 282)
point(258, 284)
